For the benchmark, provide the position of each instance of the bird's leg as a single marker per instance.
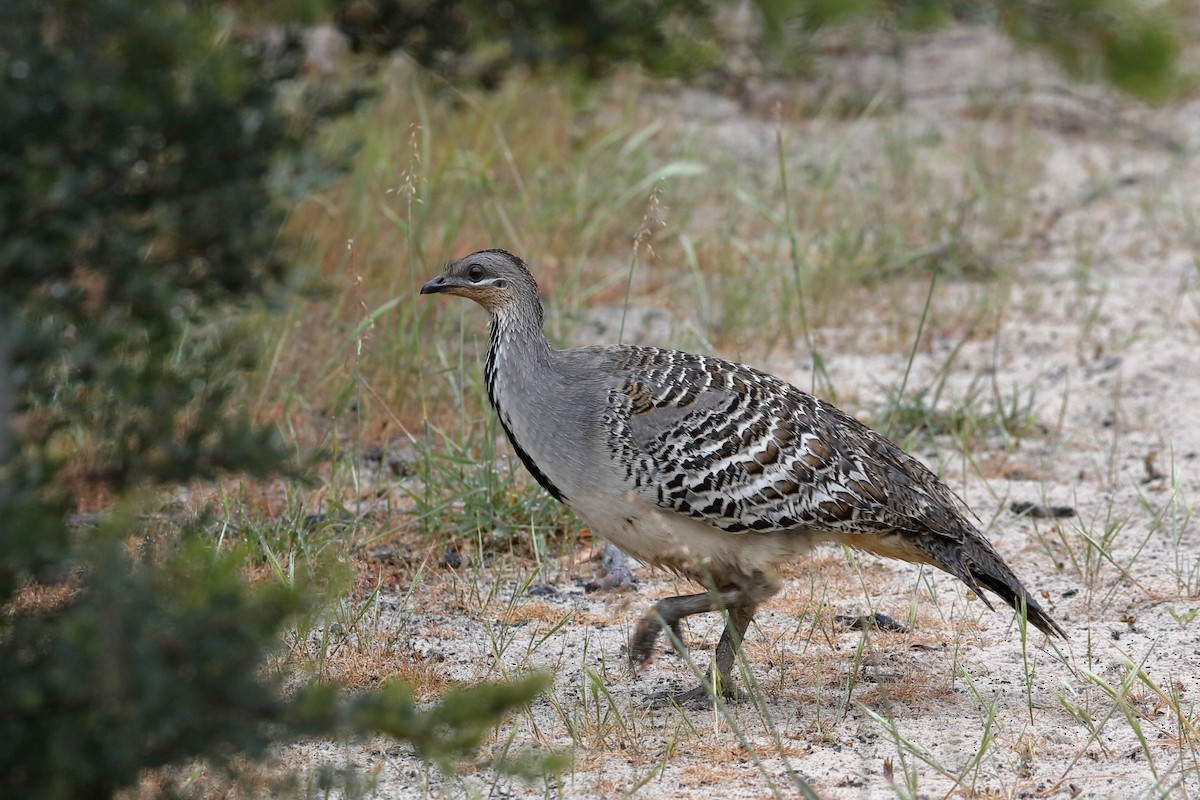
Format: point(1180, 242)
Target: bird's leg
point(731, 641)
point(739, 602)
point(727, 647)
point(668, 612)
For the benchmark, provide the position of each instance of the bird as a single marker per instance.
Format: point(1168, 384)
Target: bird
point(713, 470)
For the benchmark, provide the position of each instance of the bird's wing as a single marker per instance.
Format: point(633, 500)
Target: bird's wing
point(745, 451)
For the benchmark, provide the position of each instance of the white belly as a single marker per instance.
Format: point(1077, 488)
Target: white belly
point(689, 547)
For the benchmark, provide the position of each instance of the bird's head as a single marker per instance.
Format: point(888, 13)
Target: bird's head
point(496, 279)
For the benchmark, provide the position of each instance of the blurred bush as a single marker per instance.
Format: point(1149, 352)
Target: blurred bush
point(482, 40)
point(1134, 45)
point(138, 146)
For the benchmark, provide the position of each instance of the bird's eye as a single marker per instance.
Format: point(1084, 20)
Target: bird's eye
point(475, 273)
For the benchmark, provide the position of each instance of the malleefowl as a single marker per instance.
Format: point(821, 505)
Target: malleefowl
point(714, 470)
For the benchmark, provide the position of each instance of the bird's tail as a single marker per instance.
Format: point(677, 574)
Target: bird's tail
point(975, 562)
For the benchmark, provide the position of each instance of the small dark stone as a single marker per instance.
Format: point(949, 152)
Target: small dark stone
point(385, 554)
point(877, 620)
point(451, 559)
point(541, 590)
point(1039, 511)
point(398, 465)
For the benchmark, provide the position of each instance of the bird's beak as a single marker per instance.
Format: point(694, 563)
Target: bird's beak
point(439, 284)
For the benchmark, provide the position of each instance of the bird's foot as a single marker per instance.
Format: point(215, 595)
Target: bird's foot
point(641, 644)
point(700, 696)
point(697, 697)
point(645, 638)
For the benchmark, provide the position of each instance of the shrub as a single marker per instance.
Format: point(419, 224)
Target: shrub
point(137, 148)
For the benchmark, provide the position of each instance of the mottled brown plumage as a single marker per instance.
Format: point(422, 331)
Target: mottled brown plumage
point(712, 469)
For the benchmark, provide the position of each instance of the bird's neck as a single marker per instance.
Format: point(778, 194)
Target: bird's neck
point(518, 357)
point(524, 389)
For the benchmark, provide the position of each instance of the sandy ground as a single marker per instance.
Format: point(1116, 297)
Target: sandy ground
point(1110, 353)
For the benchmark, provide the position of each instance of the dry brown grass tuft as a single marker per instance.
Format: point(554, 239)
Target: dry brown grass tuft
point(377, 658)
point(238, 780)
point(41, 598)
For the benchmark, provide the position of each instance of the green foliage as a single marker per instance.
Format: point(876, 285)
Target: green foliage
point(160, 662)
point(1133, 46)
point(153, 664)
point(138, 147)
point(133, 203)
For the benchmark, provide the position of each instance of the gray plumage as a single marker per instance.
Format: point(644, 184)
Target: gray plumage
point(712, 469)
